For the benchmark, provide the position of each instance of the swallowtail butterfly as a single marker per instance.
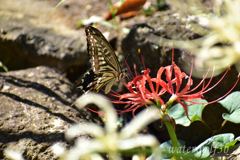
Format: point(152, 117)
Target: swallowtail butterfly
point(105, 68)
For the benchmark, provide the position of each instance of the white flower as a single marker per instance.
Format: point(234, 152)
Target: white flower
point(224, 30)
point(108, 139)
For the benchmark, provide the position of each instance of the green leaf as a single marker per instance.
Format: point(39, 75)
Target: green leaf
point(166, 150)
point(230, 144)
point(194, 112)
point(168, 145)
point(213, 145)
point(3, 66)
point(221, 140)
point(232, 104)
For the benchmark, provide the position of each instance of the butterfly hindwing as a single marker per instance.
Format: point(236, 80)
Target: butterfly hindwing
point(88, 80)
point(105, 68)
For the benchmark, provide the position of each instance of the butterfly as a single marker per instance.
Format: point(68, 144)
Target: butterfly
point(105, 67)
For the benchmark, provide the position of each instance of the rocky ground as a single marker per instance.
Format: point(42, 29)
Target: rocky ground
point(45, 52)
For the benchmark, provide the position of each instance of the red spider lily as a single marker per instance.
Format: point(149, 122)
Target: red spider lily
point(139, 95)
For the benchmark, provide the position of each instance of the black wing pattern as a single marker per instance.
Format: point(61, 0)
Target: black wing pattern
point(105, 68)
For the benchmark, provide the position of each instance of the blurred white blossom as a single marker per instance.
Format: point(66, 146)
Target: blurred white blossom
point(107, 139)
point(219, 26)
point(225, 30)
point(220, 46)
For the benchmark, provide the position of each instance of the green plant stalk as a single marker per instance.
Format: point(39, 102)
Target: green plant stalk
point(222, 125)
point(114, 12)
point(168, 105)
point(171, 131)
point(173, 138)
point(114, 15)
point(59, 3)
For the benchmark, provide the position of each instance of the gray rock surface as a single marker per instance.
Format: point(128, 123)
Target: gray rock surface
point(36, 110)
point(32, 35)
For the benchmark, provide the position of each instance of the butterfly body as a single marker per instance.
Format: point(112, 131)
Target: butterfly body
point(105, 68)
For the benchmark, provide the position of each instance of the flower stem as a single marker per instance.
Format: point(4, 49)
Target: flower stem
point(173, 138)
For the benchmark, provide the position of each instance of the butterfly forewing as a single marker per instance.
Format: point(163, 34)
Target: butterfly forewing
point(100, 50)
point(104, 62)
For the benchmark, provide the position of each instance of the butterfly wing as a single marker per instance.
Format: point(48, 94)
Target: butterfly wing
point(102, 55)
point(104, 63)
point(88, 80)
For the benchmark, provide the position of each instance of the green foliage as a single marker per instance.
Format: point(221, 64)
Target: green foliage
point(95, 19)
point(3, 66)
point(216, 144)
point(166, 149)
point(232, 104)
point(160, 4)
point(148, 12)
point(194, 111)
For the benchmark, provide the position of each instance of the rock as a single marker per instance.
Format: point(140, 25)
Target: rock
point(32, 35)
point(36, 111)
